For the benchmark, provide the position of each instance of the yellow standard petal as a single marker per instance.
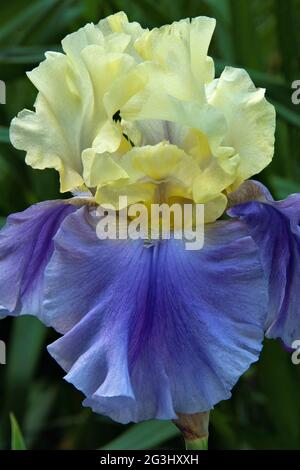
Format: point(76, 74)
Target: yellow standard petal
point(250, 120)
point(51, 134)
point(180, 49)
point(75, 105)
point(155, 174)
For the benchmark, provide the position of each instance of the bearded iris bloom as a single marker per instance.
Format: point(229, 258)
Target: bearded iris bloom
point(151, 332)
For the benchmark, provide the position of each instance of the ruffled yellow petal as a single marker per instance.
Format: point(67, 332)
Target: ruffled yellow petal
point(103, 71)
point(49, 136)
point(100, 169)
point(103, 168)
point(250, 120)
point(167, 169)
point(123, 88)
point(110, 39)
point(217, 176)
point(74, 43)
point(109, 195)
point(108, 138)
point(195, 143)
point(214, 208)
point(180, 49)
point(209, 120)
point(118, 23)
point(159, 162)
point(136, 113)
point(71, 114)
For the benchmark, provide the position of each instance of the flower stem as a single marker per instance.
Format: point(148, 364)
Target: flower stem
point(194, 429)
point(197, 444)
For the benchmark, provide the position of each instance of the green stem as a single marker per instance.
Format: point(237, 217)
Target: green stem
point(194, 429)
point(197, 444)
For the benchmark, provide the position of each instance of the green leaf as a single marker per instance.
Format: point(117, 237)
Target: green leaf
point(17, 441)
point(91, 9)
point(40, 402)
point(283, 187)
point(25, 55)
point(57, 22)
point(25, 348)
point(221, 424)
point(143, 436)
point(287, 32)
point(4, 135)
point(287, 114)
point(277, 379)
point(15, 30)
point(242, 30)
point(223, 34)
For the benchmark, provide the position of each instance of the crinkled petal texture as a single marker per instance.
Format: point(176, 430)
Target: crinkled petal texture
point(26, 245)
point(77, 99)
point(274, 226)
point(179, 52)
point(117, 86)
point(229, 133)
point(250, 120)
point(150, 331)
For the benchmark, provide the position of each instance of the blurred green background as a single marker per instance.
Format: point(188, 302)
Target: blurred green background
point(261, 36)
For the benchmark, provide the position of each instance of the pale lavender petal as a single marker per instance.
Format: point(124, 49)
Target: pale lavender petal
point(26, 245)
point(274, 226)
point(152, 331)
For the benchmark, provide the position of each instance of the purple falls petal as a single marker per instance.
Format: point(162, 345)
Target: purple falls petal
point(274, 228)
point(152, 331)
point(25, 248)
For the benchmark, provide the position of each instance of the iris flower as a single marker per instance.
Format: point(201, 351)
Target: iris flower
point(151, 331)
